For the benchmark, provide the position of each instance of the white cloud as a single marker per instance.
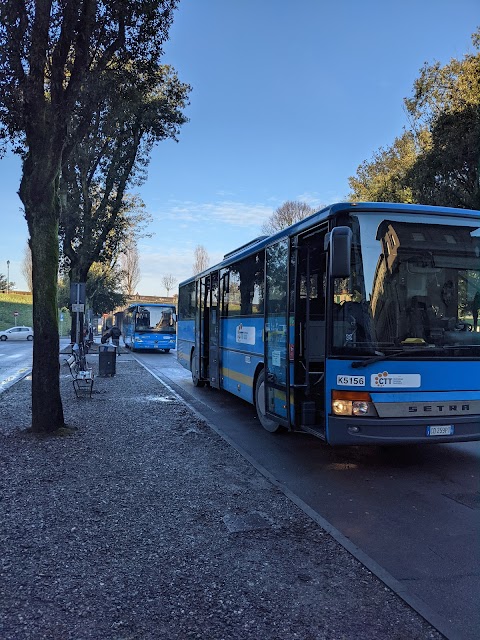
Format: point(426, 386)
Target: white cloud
point(230, 212)
point(312, 199)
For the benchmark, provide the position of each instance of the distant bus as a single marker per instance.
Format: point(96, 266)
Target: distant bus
point(358, 324)
point(150, 326)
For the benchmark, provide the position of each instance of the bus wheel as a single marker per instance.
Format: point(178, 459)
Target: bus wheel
point(267, 423)
point(195, 379)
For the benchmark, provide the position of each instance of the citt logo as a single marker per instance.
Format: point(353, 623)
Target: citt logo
point(399, 380)
point(380, 379)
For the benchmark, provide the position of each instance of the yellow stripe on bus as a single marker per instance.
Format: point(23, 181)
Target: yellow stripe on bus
point(238, 377)
point(248, 380)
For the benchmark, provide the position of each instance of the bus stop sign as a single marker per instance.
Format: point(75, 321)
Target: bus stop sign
point(77, 292)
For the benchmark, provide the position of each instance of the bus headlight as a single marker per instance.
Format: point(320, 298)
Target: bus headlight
point(342, 407)
point(352, 403)
point(359, 408)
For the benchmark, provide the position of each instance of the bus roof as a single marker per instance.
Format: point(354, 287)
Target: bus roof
point(329, 212)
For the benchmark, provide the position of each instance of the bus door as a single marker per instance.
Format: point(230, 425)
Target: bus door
point(214, 327)
point(309, 284)
point(276, 332)
point(206, 355)
point(200, 353)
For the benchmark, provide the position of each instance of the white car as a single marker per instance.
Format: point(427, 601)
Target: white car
point(17, 333)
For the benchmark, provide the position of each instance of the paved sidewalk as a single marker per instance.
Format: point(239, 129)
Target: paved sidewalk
point(145, 524)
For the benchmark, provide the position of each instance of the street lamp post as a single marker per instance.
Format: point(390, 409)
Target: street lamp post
point(8, 276)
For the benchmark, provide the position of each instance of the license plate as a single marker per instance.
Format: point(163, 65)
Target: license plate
point(441, 430)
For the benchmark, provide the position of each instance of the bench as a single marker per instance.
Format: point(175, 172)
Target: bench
point(82, 379)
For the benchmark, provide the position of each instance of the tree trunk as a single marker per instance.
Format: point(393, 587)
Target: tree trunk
point(38, 194)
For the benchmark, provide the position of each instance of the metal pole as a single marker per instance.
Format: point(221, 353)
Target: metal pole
point(8, 277)
point(77, 331)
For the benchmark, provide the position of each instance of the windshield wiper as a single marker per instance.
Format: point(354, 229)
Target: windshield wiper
point(394, 354)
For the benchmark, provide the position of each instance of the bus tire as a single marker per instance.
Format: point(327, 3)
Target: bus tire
point(195, 379)
point(267, 423)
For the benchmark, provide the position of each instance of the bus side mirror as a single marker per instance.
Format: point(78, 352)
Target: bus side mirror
point(174, 317)
point(339, 241)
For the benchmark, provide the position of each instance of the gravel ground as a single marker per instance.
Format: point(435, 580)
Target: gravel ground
point(145, 524)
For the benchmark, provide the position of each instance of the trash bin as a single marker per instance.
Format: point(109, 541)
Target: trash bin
point(107, 360)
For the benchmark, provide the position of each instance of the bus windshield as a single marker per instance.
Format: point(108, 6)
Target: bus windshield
point(414, 285)
point(153, 319)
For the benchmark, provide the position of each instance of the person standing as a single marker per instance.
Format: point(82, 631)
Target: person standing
point(115, 334)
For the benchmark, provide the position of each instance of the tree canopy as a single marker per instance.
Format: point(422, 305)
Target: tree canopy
point(97, 214)
point(103, 286)
point(57, 61)
point(437, 160)
point(4, 284)
point(382, 179)
point(446, 104)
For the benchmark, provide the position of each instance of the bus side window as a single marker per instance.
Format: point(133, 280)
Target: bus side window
point(224, 282)
point(186, 302)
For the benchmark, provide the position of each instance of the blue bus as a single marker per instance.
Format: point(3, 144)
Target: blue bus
point(358, 324)
point(150, 326)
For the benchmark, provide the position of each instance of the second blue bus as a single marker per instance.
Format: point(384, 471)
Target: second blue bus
point(150, 327)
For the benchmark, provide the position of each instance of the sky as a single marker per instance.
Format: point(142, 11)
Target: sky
point(288, 98)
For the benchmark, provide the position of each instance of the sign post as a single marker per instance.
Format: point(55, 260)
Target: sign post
point(15, 315)
point(77, 300)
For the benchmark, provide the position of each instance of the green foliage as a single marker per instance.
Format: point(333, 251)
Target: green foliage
point(53, 58)
point(63, 293)
point(448, 172)
point(382, 178)
point(98, 216)
point(446, 102)
point(9, 303)
point(64, 322)
point(23, 304)
point(3, 283)
point(438, 160)
point(443, 90)
point(102, 289)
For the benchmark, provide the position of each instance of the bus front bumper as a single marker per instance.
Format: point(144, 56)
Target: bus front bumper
point(156, 344)
point(384, 431)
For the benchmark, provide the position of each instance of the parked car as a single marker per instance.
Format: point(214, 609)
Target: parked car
point(17, 333)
